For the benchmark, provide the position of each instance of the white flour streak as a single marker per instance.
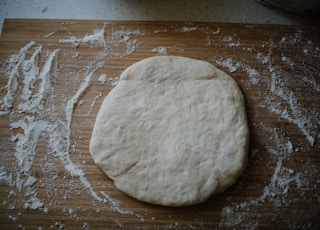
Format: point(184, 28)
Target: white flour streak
point(76, 55)
point(233, 66)
point(26, 143)
point(102, 79)
point(264, 59)
point(114, 81)
point(47, 76)
point(273, 194)
point(26, 119)
point(294, 113)
point(30, 70)
point(49, 34)
point(160, 50)
point(73, 101)
point(34, 99)
point(160, 31)
point(14, 63)
point(27, 127)
point(123, 36)
point(283, 101)
point(254, 76)
point(287, 61)
point(74, 169)
point(312, 82)
point(127, 32)
point(116, 207)
point(93, 103)
point(186, 29)
point(93, 40)
point(229, 64)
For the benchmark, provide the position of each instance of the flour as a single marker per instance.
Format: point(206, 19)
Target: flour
point(33, 127)
point(102, 79)
point(114, 81)
point(231, 41)
point(294, 113)
point(127, 32)
point(93, 103)
point(229, 64)
point(274, 194)
point(32, 86)
point(254, 76)
point(76, 55)
point(160, 31)
point(124, 36)
point(26, 142)
point(233, 66)
point(31, 106)
point(160, 50)
point(187, 29)
point(284, 102)
point(47, 76)
point(12, 72)
point(288, 61)
point(116, 207)
point(49, 34)
point(93, 40)
point(292, 39)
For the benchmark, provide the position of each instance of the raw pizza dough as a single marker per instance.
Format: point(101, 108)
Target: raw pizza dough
point(172, 132)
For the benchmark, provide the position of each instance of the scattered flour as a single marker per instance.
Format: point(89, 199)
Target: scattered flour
point(160, 50)
point(160, 31)
point(49, 34)
point(274, 194)
point(93, 40)
point(102, 79)
point(12, 71)
point(187, 29)
point(76, 55)
point(229, 64)
point(233, 66)
point(114, 81)
point(116, 207)
point(124, 36)
point(29, 104)
point(93, 104)
point(284, 102)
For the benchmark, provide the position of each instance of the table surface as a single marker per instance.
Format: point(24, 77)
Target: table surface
point(233, 11)
point(55, 74)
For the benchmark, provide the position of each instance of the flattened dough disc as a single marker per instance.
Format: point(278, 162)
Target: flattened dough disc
point(172, 132)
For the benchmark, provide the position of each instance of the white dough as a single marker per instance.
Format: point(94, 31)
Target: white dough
point(172, 132)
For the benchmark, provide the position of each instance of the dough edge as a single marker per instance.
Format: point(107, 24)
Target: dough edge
point(129, 74)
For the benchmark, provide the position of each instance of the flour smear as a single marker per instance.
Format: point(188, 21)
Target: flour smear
point(33, 83)
point(281, 99)
point(39, 107)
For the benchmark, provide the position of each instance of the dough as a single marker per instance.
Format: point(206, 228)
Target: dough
point(172, 132)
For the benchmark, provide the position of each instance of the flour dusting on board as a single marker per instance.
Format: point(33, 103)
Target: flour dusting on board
point(31, 106)
point(93, 40)
point(128, 38)
point(160, 50)
point(284, 101)
point(41, 98)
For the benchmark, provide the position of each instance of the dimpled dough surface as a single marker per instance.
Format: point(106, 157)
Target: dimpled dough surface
point(172, 132)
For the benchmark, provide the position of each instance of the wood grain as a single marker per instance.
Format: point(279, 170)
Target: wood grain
point(277, 68)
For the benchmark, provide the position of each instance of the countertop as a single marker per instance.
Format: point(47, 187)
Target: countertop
point(246, 11)
point(59, 71)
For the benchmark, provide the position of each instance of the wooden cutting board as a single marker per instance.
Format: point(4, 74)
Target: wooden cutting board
point(52, 88)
